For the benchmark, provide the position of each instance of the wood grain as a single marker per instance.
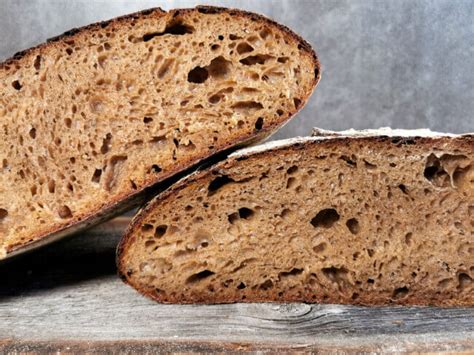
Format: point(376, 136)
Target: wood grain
point(66, 297)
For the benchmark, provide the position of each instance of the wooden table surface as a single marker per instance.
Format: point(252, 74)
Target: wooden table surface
point(67, 297)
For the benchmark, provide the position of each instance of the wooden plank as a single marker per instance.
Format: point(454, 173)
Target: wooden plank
point(67, 296)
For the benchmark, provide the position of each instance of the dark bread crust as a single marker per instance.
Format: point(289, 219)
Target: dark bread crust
point(71, 34)
point(464, 142)
point(132, 198)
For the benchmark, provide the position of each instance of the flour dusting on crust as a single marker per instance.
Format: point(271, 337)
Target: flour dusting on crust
point(382, 131)
point(322, 134)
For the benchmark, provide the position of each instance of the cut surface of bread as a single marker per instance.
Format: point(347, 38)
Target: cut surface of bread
point(91, 118)
point(359, 218)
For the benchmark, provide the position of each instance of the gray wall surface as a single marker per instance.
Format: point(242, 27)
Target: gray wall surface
point(399, 63)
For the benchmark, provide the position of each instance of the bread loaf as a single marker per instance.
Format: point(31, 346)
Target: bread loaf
point(366, 218)
point(93, 117)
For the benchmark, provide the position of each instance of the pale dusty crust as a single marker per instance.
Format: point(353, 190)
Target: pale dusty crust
point(130, 198)
point(452, 143)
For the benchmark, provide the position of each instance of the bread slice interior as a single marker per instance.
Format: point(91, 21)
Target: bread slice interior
point(366, 219)
point(94, 116)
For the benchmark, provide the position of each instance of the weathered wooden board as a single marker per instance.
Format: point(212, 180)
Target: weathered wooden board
point(67, 297)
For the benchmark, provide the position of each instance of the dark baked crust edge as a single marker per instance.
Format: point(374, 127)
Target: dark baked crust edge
point(464, 141)
point(131, 198)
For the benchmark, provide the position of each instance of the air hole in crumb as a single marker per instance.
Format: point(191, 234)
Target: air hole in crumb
point(246, 213)
point(233, 217)
point(217, 183)
point(214, 99)
point(255, 59)
point(320, 247)
point(464, 281)
point(147, 227)
point(285, 213)
point(161, 230)
point(460, 176)
point(37, 62)
point(403, 189)
point(352, 161)
point(33, 133)
point(353, 225)
point(113, 171)
point(219, 67)
point(174, 28)
point(64, 212)
point(292, 169)
point(51, 186)
point(297, 103)
point(106, 143)
point(147, 119)
point(158, 140)
point(447, 170)
point(290, 182)
point(408, 238)
point(199, 276)
point(400, 292)
point(325, 218)
point(268, 284)
point(244, 47)
point(246, 106)
point(155, 168)
point(149, 243)
point(241, 286)
point(16, 85)
point(293, 272)
point(369, 166)
point(96, 105)
point(335, 274)
point(259, 124)
point(265, 33)
point(282, 59)
point(3, 214)
point(96, 175)
point(165, 67)
point(68, 122)
point(198, 75)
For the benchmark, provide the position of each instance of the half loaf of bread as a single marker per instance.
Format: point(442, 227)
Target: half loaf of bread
point(359, 218)
point(96, 115)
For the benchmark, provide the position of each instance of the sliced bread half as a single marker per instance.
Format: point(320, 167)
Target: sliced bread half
point(96, 115)
point(359, 218)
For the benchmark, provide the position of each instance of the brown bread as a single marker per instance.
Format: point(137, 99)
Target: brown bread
point(93, 117)
point(353, 218)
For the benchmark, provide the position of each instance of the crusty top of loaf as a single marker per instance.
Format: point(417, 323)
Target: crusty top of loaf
point(322, 134)
point(382, 131)
point(23, 56)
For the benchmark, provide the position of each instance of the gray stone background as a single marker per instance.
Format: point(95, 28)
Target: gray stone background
point(399, 63)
